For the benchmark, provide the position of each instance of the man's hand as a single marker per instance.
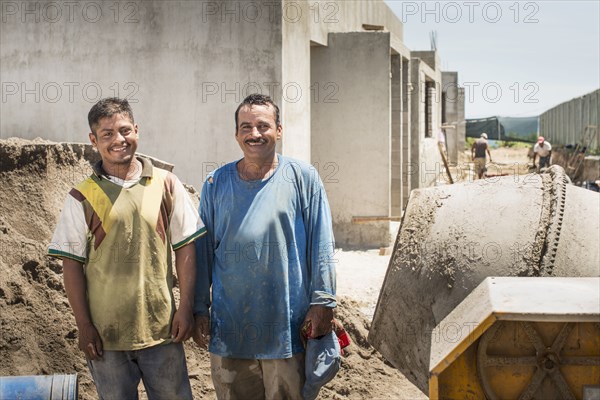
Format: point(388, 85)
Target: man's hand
point(320, 317)
point(183, 323)
point(202, 330)
point(90, 342)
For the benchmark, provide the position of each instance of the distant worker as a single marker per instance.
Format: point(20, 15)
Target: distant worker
point(478, 150)
point(115, 236)
point(542, 148)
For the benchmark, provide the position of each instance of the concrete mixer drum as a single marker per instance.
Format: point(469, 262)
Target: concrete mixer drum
point(454, 237)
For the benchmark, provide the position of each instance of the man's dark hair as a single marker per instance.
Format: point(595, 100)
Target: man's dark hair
point(257, 99)
point(106, 108)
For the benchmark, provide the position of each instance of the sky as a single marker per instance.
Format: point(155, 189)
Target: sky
point(514, 58)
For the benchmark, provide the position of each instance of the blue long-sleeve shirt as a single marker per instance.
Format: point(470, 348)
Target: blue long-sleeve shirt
point(268, 254)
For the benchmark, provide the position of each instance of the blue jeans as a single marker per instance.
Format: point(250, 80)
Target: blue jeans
point(162, 368)
point(544, 162)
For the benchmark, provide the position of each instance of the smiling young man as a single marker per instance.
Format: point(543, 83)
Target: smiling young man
point(268, 256)
point(115, 235)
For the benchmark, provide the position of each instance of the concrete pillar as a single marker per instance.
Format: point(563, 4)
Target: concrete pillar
point(406, 129)
point(450, 113)
point(430, 117)
point(426, 113)
point(418, 120)
point(296, 86)
point(461, 127)
point(396, 94)
point(350, 137)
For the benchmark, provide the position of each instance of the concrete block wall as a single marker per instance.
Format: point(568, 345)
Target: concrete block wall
point(307, 24)
point(461, 128)
point(396, 131)
point(450, 117)
point(425, 156)
point(353, 135)
point(407, 166)
point(184, 65)
point(564, 124)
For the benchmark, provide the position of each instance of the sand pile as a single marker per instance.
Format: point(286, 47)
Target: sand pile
point(37, 332)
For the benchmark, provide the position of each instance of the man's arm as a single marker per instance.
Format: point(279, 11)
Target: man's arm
point(487, 148)
point(183, 320)
point(473, 151)
point(321, 261)
point(186, 227)
point(69, 244)
point(204, 262)
point(202, 294)
point(75, 286)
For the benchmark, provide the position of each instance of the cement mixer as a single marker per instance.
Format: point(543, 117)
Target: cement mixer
point(453, 237)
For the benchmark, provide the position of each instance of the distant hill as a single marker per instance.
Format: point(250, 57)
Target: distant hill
point(523, 129)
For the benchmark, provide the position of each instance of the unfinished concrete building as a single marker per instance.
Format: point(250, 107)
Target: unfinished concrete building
point(358, 104)
point(453, 115)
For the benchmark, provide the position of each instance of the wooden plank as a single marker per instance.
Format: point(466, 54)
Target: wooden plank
point(445, 160)
point(364, 220)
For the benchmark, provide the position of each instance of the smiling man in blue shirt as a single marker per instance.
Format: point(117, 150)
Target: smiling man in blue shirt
point(268, 257)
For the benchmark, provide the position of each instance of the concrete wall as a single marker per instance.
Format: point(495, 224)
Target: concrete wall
point(306, 24)
point(417, 125)
point(396, 131)
point(183, 64)
point(326, 16)
point(407, 167)
point(186, 65)
point(429, 57)
point(295, 73)
point(461, 129)
point(564, 124)
point(450, 114)
point(353, 135)
point(306, 31)
point(425, 157)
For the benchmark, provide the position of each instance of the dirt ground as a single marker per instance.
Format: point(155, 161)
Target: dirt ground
point(37, 328)
point(37, 331)
point(505, 161)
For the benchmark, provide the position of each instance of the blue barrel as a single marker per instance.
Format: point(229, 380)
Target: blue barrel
point(39, 387)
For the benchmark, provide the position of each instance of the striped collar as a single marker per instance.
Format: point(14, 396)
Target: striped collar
point(146, 168)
